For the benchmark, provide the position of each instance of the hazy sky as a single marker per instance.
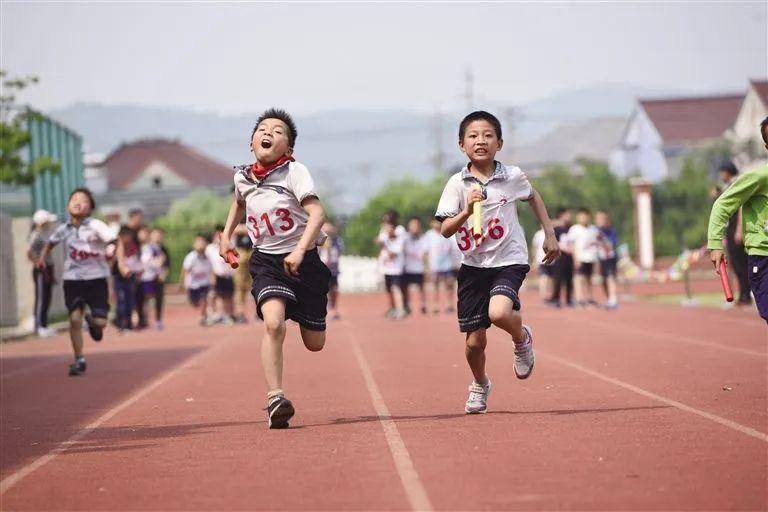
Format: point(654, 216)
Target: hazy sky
point(311, 57)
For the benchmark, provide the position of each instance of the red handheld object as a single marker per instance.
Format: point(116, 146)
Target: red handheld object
point(725, 281)
point(232, 260)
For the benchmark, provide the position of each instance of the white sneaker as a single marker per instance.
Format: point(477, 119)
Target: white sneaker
point(477, 403)
point(46, 332)
point(524, 357)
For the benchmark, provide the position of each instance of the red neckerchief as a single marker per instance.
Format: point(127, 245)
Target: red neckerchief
point(261, 172)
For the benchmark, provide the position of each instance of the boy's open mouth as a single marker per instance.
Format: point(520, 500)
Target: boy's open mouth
point(266, 143)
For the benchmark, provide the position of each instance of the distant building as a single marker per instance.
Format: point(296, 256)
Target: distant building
point(595, 139)
point(152, 173)
point(749, 147)
point(661, 132)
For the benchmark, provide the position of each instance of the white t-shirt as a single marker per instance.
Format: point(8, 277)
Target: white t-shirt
point(537, 244)
point(152, 262)
point(392, 255)
point(585, 242)
point(220, 267)
point(199, 270)
point(504, 242)
point(440, 251)
point(414, 251)
point(274, 215)
point(85, 249)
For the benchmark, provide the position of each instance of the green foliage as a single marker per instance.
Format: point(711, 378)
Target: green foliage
point(14, 137)
point(409, 197)
point(681, 209)
point(198, 213)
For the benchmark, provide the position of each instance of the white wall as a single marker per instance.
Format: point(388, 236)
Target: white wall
point(640, 150)
point(359, 274)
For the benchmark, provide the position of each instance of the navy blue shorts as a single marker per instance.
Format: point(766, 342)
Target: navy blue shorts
point(196, 295)
point(305, 296)
point(758, 280)
point(477, 286)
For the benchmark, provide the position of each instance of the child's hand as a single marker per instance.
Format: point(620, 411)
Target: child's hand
point(551, 249)
point(716, 256)
point(475, 195)
point(40, 264)
point(226, 246)
point(292, 262)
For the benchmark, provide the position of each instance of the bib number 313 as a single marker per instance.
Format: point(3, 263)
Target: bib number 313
point(282, 218)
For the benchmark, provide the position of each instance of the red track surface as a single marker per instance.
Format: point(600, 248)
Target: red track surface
point(626, 410)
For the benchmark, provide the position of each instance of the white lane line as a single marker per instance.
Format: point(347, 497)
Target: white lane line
point(668, 401)
point(624, 327)
point(414, 490)
point(16, 477)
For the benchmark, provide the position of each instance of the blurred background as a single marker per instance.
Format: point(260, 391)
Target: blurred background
point(150, 106)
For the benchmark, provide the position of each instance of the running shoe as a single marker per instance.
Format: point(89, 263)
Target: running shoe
point(77, 368)
point(279, 412)
point(477, 403)
point(524, 357)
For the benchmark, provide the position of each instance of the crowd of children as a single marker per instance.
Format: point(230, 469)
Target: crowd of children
point(414, 261)
point(588, 250)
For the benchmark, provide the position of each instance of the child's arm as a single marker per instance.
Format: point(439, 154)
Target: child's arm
point(236, 211)
point(120, 254)
point(182, 279)
point(47, 248)
point(725, 206)
point(550, 245)
point(315, 222)
point(451, 225)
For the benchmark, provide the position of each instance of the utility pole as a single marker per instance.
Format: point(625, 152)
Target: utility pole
point(438, 138)
point(469, 93)
point(510, 116)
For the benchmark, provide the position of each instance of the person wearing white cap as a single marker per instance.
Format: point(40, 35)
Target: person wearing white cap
point(42, 221)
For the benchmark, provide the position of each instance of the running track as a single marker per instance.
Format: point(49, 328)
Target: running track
point(625, 410)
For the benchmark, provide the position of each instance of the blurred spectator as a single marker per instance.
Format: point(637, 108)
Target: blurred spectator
point(153, 262)
point(391, 239)
point(440, 263)
point(414, 254)
point(563, 266)
point(197, 277)
point(135, 224)
point(242, 278)
point(224, 285)
point(330, 254)
point(126, 273)
point(543, 271)
point(43, 224)
point(583, 237)
point(157, 237)
point(607, 257)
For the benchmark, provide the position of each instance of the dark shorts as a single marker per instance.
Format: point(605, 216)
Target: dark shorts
point(392, 280)
point(478, 285)
point(444, 276)
point(195, 295)
point(334, 282)
point(92, 293)
point(225, 287)
point(586, 269)
point(758, 280)
point(608, 268)
point(413, 278)
point(149, 287)
point(546, 270)
point(306, 296)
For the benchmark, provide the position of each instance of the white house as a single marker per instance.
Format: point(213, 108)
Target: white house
point(660, 132)
point(745, 133)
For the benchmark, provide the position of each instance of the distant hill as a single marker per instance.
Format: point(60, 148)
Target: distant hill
point(352, 152)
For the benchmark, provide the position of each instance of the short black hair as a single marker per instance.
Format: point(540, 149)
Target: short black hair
point(125, 231)
point(135, 211)
point(414, 217)
point(560, 211)
point(391, 216)
point(480, 115)
point(584, 210)
point(282, 115)
point(764, 130)
point(204, 236)
point(85, 191)
point(728, 167)
point(218, 227)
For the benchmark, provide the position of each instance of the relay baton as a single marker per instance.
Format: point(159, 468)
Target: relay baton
point(477, 218)
point(725, 281)
point(232, 259)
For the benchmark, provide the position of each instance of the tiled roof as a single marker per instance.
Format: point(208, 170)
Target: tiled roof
point(686, 120)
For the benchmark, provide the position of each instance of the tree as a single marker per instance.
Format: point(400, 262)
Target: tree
point(14, 169)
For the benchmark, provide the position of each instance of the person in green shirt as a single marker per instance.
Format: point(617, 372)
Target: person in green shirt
point(749, 192)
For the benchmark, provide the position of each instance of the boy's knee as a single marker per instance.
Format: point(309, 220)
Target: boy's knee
point(315, 345)
point(274, 326)
point(501, 314)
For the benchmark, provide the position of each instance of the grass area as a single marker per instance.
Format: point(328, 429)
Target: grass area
point(710, 300)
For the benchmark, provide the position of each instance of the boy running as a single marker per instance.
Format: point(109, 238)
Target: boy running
point(85, 271)
point(284, 218)
point(495, 261)
point(197, 277)
point(750, 193)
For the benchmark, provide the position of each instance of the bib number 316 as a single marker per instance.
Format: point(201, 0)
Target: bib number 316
point(493, 230)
